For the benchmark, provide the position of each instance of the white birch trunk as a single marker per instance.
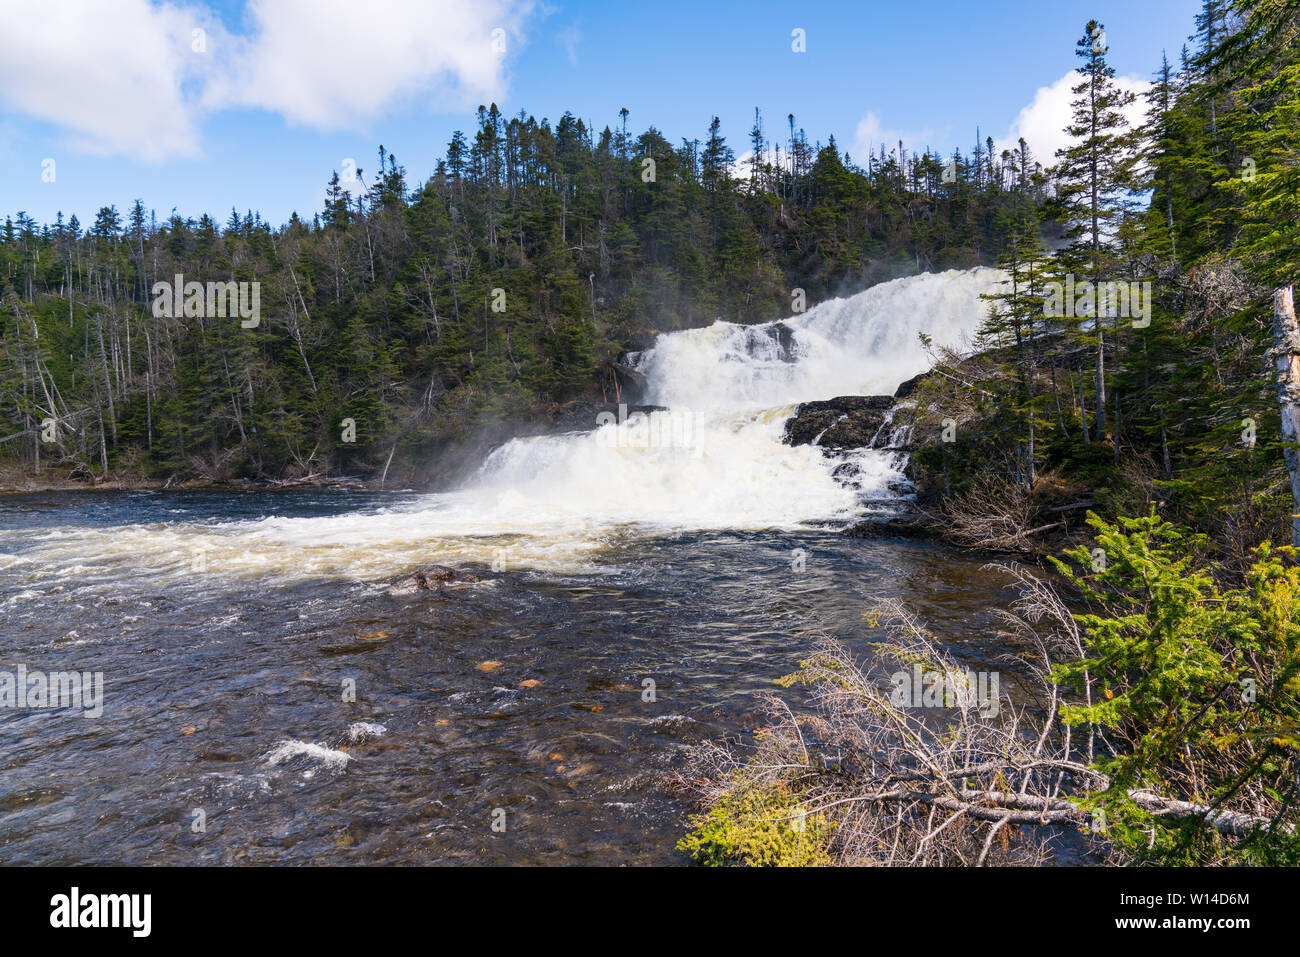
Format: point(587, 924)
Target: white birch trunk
point(1286, 350)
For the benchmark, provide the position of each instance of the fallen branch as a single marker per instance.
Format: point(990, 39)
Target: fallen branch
point(1013, 808)
point(1035, 531)
point(1071, 508)
point(951, 781)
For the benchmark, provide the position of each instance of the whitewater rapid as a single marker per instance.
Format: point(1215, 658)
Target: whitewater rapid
point(715, 460)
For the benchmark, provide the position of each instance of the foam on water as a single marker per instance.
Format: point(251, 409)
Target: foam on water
point(360, 731)
point(286, 751)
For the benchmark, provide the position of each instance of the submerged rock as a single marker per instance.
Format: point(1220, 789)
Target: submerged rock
point(431, 578)
point(846, 422)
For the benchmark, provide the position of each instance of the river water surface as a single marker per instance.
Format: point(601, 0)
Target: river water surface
point(226, 694)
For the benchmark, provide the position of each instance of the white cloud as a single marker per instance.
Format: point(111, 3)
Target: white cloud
point(1042, 123)
point(871, 134)
point(124, 77)
point(115, 76)
point(569, 38)
point(337, 64)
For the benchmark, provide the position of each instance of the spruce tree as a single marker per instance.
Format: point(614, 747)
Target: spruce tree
point(1093, 177)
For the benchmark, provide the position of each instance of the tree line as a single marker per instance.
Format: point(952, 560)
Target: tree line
point(401, 320)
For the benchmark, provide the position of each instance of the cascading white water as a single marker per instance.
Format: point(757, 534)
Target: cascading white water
point(714, 461)
point(864, 344)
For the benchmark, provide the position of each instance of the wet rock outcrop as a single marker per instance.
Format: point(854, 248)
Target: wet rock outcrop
point(631, 381)
point(842, 426)
point(783, 336)
point(846, 422)
point(908, 386)
point(890, 526)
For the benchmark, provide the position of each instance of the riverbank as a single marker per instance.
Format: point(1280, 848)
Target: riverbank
point(966, 507)
point(18, 482)
point(448, 465)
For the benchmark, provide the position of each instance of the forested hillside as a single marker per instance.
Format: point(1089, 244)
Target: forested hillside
point(433, 312)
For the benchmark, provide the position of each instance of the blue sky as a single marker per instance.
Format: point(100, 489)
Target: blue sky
point(284, 91)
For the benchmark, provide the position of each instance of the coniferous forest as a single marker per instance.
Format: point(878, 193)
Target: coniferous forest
point(1194, 213)
point(504, 285)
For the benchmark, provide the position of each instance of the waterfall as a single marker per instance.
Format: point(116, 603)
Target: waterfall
point(864, 344)
point(714, 460)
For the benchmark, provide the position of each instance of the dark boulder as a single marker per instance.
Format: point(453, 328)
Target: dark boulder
point(783, 335)
point(846, 422)
point(631, 382)
point(908, 386)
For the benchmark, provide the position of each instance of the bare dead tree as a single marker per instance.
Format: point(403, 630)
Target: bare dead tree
point(992, 514)
point(1286, 350)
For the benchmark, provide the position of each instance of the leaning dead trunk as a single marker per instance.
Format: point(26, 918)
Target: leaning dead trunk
point(1286, 350)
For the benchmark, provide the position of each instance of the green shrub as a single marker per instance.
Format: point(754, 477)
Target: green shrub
point(1194, 687)
point(760, 826)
